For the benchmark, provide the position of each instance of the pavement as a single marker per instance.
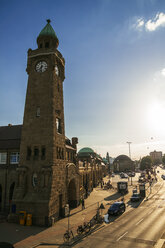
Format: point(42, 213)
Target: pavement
point(30, 237)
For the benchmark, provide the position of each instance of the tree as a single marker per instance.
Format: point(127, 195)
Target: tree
point(146, 163)
point(156, 161)
point(163, 159)
point(107, 157)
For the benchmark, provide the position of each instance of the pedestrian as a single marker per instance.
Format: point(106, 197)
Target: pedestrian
point(83, 204)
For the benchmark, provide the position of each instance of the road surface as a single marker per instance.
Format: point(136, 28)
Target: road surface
point(141, 226)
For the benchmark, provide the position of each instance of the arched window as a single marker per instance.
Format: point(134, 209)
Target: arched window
point(11, 191)
point(35, 180)
point(0, 197)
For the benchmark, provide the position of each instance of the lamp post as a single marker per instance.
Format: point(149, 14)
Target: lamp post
point(129, 143)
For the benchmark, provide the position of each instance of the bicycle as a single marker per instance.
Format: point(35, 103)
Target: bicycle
point(83, 228)
point(68, 235)
point(97, 219)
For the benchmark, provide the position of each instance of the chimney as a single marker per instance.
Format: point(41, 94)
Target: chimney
point(74, 142)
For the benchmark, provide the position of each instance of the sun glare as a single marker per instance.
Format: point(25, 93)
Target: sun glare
point(156, 117)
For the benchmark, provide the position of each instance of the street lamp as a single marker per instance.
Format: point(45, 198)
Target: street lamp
point(129, 143)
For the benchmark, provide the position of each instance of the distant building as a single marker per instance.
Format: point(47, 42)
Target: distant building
point(123, 163)
point(156, 156)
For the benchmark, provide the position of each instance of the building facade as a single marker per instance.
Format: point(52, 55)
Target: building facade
point(156, 156)
point(123, 163)
point(44, 180)
point(40, 171)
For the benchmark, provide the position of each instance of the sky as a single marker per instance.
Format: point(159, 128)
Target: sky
point(115, 69)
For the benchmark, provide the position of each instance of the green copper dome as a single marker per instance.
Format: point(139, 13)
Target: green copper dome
point(47, 37)
point(48, 30)
point(86, 150)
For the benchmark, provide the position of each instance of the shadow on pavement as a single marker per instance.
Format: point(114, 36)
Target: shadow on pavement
point(13, 233)
point(135, 204)
point(113, 197)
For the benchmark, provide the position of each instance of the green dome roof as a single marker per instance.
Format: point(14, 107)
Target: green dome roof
point(86, 150)
point(122, 158)
point(48, 31)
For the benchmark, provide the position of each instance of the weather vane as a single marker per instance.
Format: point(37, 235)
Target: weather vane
point(48, 20)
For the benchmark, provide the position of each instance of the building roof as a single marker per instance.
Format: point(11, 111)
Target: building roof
point(10, 132)
point(10, 136)
point(86, 150)
point(122, 158)
point(48, 31)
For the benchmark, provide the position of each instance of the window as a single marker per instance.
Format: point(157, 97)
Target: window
point(41, 45)
point(14, 158)
point(38, 112)
point(36, 153)
point(29, 152)
point(34, 180)
point(58, 125)
point(3, 157)
point(60, 153)
point(46, 44)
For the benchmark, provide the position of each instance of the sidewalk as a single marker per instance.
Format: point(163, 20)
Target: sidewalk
point(53, 236)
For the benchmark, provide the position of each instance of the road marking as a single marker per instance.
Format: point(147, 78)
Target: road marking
point(139, 222)
point(150, 212)
point(121, 236)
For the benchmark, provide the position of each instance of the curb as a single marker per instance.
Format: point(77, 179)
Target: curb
point(76, 239)
point(160, 243)
point(80, 237)
point(154, 193)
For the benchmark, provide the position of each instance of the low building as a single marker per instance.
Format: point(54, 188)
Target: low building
point(123, 163)
point(91, 168)
point(10, 139)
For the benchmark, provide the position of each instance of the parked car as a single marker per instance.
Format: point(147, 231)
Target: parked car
point(123, 175)
point(117, 208)
point(131, 173)
point(135, 197)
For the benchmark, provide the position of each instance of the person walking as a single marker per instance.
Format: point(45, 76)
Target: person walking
point(83, 204)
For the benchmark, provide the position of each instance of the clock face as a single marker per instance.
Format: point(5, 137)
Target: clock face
point(41, 66)
point(56, 70)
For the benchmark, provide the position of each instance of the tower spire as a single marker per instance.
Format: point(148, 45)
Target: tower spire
point(48, 20)
point(47, 35)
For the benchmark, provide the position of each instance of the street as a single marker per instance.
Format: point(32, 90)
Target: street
point(140, 226)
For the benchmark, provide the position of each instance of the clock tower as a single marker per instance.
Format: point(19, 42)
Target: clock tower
point(41, 184)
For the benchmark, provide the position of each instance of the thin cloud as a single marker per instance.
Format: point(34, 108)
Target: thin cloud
point(140, 22)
